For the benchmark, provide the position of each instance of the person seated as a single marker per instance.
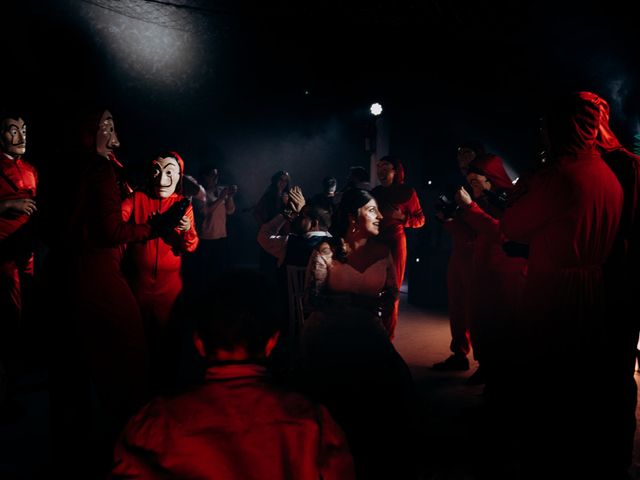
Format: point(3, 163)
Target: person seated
point(238, 424)
point(349, 361)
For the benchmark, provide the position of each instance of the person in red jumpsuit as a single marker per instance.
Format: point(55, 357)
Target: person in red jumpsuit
point(154, 267)
point(400, 209)
point(569, 214)
point(497, 280)
point(238, 424)
point(99, 354)
point(459, 285)
point(18, 182)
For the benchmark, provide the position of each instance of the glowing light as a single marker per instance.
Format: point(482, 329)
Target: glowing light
point(376, 109)
point(417, 259)
point(429, 182)
point(158, 46)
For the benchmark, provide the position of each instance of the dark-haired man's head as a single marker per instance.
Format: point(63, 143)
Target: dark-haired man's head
point(209, 176)
point(468, 151)
point(358, 176)
point(329, 186)
point(237, 318)
point(312, 219)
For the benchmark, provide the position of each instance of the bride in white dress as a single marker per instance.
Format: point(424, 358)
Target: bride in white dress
point(351, 365)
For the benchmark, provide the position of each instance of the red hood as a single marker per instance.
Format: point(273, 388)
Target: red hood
point(491, 166)
point(180, 161)
point(579, 123)
point(605, 139)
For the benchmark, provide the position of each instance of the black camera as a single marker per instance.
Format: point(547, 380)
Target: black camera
point(498, 199)
point(164, 223)
point(447, 207)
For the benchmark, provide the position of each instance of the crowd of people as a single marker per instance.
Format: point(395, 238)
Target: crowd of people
point(541, 272)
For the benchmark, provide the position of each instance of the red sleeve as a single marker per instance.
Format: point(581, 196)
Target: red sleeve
point(480, 221)
point(127, 208)
point(535, 207)
point(140, 443)
point(459, 229)
point(105, 211)
point(189, 239)
point(413, 211)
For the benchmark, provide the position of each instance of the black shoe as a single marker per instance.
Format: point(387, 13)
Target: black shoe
point(477, 378)
point(453, 363)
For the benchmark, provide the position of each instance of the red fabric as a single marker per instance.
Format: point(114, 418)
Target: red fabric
point(569, 217)
point(24, 177)
point(108, 317)
point(402, 198)
point(491, 166)
point(497, 283)
point(155, 275)
point(235, 426)
point(460, 285)
point(18, 180)
point(497, 280)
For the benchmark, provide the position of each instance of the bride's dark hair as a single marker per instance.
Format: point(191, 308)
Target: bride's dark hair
point(351, 202)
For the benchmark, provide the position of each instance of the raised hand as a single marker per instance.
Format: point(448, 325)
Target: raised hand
point(296, 199)
point(463, 198)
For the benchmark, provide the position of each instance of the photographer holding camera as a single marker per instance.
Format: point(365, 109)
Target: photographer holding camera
point(497, 278)
point(458, 278)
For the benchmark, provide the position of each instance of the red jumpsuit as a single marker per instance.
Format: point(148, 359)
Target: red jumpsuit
point(497, 284)
point(155, 276)
point(497, 280)
point(570, 217)
point(153, 269)
point(403, 198)
point(238, 425)
point(18, 179)
point(108, 319)
point(460, 284)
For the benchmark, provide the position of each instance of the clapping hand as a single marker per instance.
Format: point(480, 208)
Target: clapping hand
point(296, 199)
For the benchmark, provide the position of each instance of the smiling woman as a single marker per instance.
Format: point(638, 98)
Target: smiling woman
point(351, 290)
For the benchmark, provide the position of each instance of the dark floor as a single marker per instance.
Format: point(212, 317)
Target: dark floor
point(422, 339)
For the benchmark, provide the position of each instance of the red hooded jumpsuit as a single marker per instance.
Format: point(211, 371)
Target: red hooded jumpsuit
point(401, 197)
point(570, 217)
point(496, 279)
point(154, 268)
